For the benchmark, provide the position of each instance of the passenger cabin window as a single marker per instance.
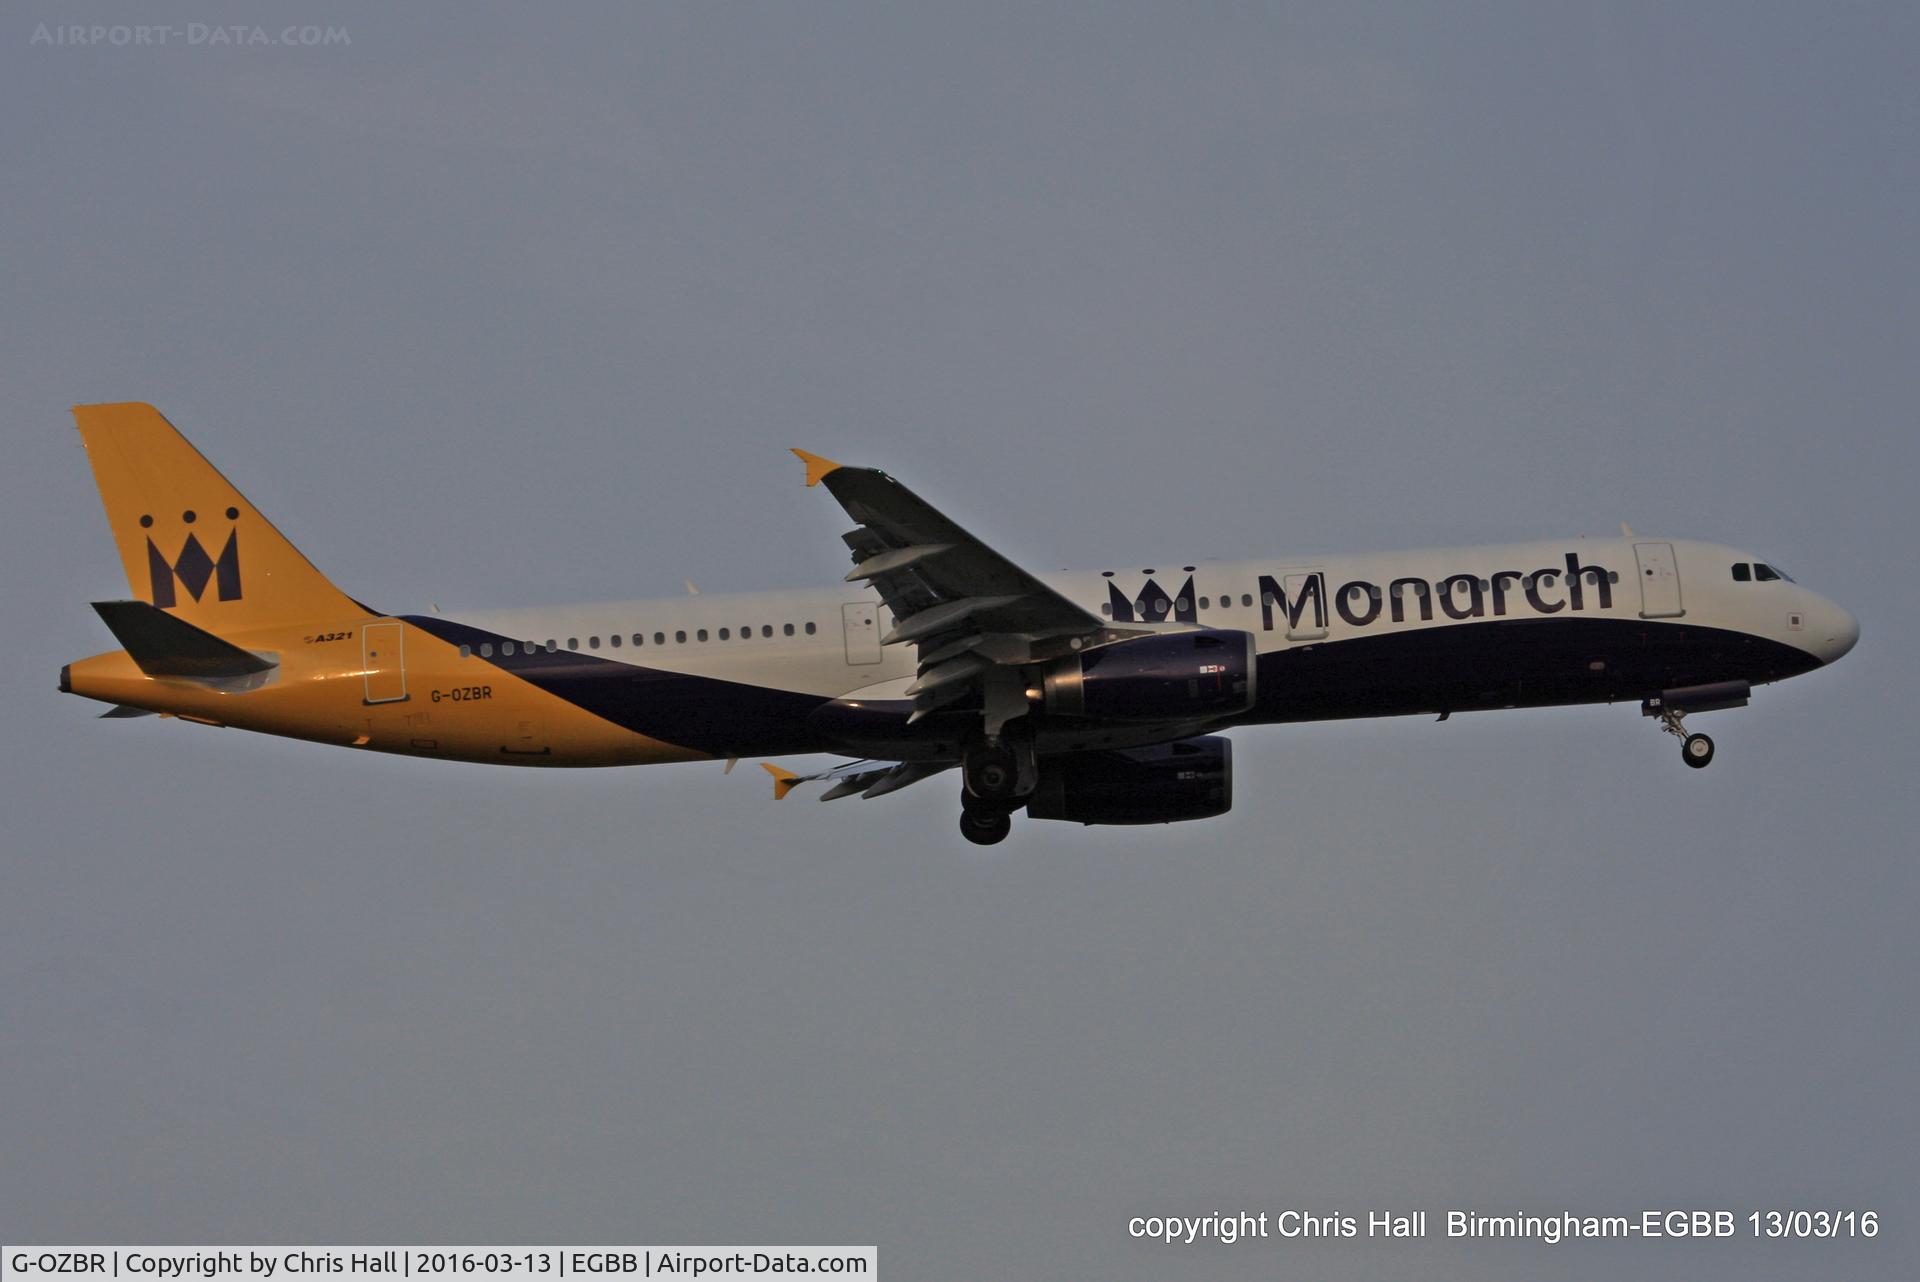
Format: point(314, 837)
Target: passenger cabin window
point(486, 649)
point(573, 643)
point(593, 643)
point(702, 634)
point(1246, 599)
point(506, 647)
point(659, 638)
point(614, 640)
point(766, 629)
point(466, 652)
point(639, 638)
point(810, 628)
point(680, 638)
point(724, 634)
point(786, 629)
point(1742, 572)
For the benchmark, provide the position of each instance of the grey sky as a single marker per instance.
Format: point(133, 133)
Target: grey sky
point(500, 307)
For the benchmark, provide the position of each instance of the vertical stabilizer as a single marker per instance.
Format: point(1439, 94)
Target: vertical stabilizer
point(190, 542)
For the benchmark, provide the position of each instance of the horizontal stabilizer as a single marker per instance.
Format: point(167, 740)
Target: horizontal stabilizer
point(857, 778)
point(165, 646)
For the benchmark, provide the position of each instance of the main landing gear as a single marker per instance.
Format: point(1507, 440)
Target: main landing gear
point(1672, 707)
point(998, 774)
point(993, 771)
point(985, 825)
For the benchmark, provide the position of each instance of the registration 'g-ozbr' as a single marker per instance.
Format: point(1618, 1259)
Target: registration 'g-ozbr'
point(1094, 697)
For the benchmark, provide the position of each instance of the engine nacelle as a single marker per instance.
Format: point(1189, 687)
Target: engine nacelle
point(1177, 676)
point(1164, 783)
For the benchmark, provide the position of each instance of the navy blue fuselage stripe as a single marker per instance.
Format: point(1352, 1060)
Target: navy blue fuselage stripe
point(1460, 667)
point(703, 713)
point(1521, 663)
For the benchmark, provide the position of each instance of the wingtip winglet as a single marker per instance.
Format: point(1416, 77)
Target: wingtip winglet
point(817, 468)
point(783, 779)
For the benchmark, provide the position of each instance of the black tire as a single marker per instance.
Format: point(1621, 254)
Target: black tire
point(993, 774)
point(1697, 751)
point(985, 827)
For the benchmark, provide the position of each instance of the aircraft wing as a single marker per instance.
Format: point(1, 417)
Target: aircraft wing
point(964, 605)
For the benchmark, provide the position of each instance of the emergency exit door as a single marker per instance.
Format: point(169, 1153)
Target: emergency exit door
point(383, 658)
point(1659, 581)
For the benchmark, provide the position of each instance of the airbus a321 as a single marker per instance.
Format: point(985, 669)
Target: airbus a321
point(1097, 698)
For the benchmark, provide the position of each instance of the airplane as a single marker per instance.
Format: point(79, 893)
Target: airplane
point(1097, 697)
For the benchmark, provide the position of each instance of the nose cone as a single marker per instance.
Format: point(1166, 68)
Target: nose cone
point(1835, 631)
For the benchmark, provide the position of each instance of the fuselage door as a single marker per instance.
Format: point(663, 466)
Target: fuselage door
point(383, 657)
point(862, 623)
point(1659, 581)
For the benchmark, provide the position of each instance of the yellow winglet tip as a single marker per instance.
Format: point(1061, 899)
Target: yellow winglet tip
point(817, 468)
point(783, 779)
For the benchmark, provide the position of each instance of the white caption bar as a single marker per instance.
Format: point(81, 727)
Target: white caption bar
point(385, 1263)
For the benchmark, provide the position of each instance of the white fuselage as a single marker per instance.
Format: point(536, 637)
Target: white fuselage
point(826, 642)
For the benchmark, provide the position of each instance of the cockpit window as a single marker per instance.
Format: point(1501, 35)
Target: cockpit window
point(1764, 573)
point(1742, 572)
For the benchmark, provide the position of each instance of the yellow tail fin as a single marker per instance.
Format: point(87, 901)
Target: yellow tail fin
point(191, 543)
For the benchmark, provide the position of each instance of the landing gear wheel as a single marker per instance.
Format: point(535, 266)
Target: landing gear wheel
point(993, 773)
point(1695, 749)
point(984, 827)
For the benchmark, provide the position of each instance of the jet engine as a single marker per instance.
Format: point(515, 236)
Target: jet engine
point(1176, 676)
point(1163, 783)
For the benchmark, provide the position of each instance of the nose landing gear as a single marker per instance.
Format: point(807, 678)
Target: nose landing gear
point(1695, 749)
point(1672, 707)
